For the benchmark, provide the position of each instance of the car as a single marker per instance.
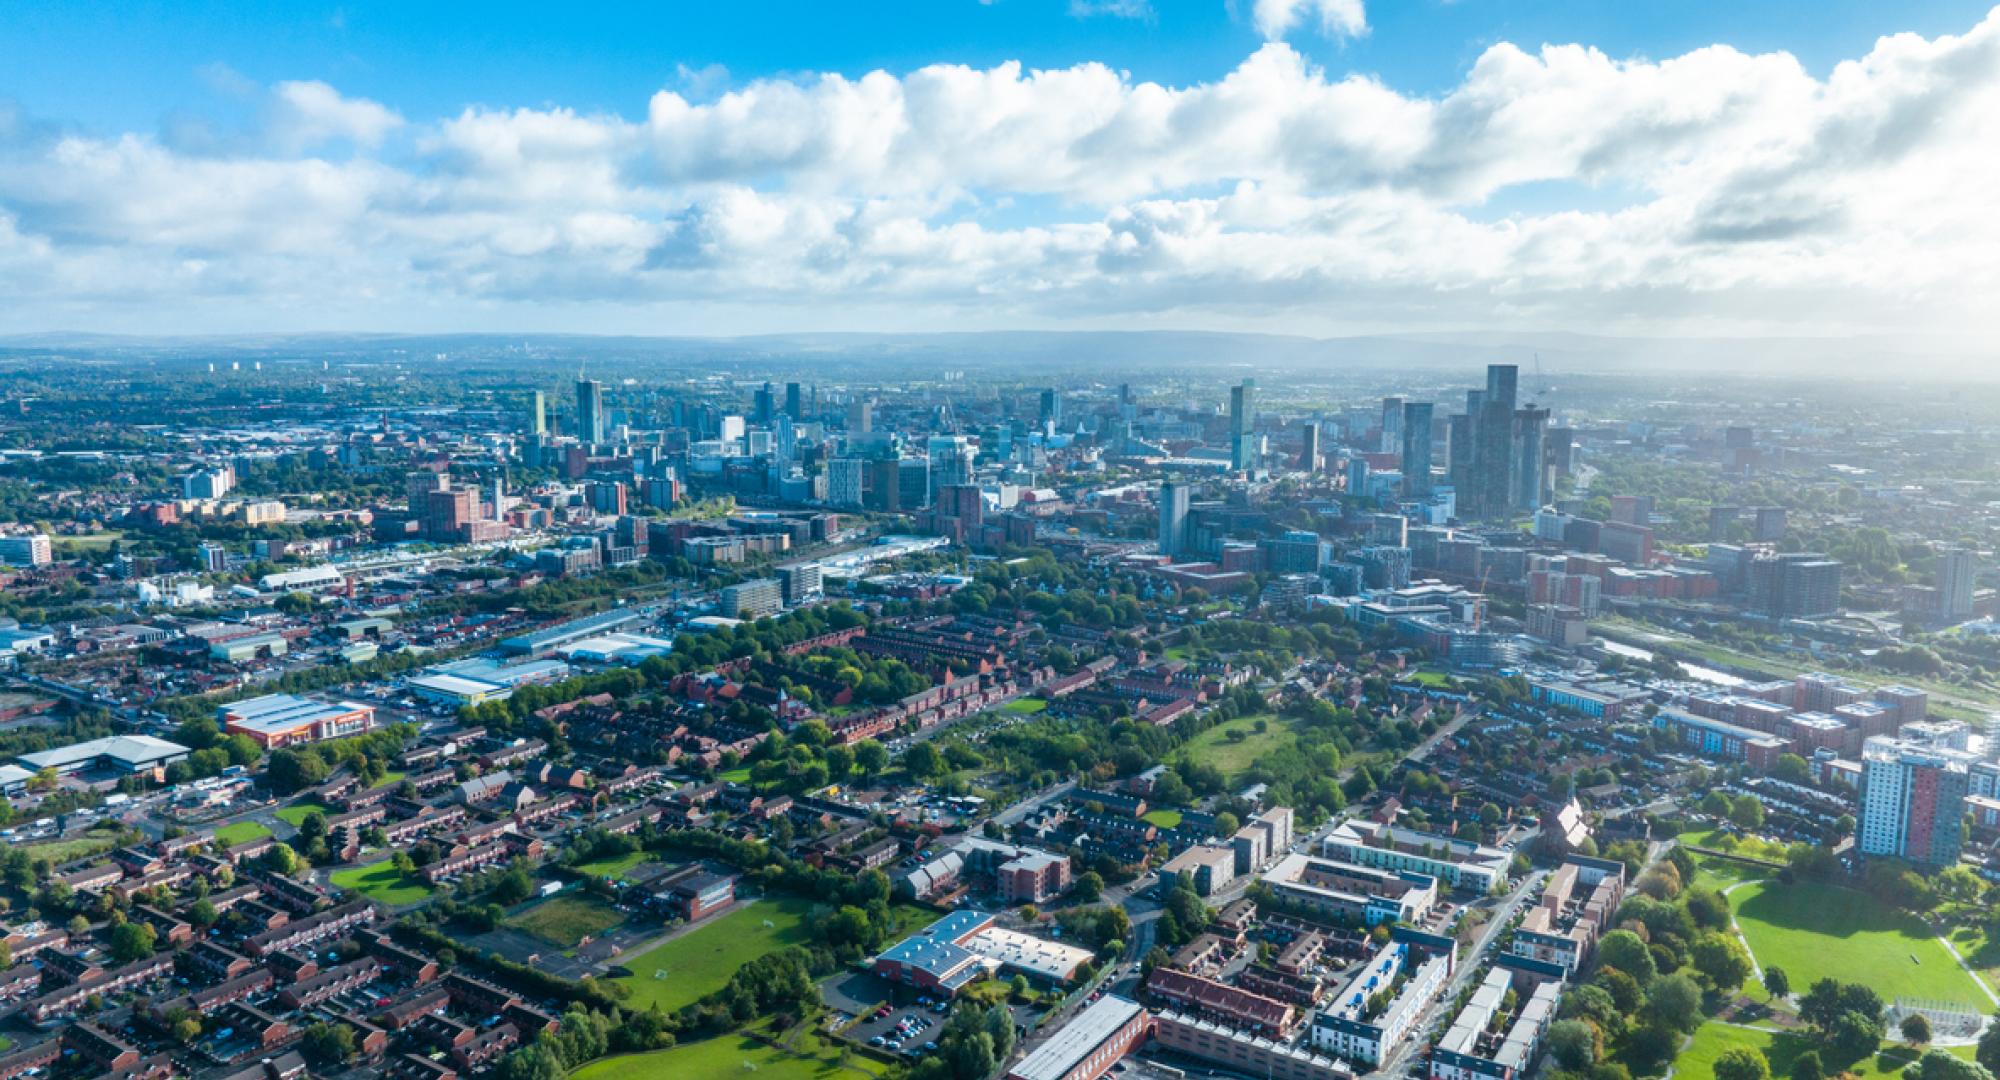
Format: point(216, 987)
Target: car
point(877, 1041)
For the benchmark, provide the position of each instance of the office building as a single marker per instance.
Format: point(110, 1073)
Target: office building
point(1175, 499)
point(753, 599)
point(846, 480)
point(795, 408)
point(607, 497)
point(209, 483)
point(1391, 426)
point(590, 422)
point(1956, 571)
point(1912, 802)
point(1051, 409)
point(449, 513)
point(1242, 422)
point(860, 418)
point(1796, 585)
point(1415, 423)
point(538, 413)
point(951, 458)
point(1309, 449)
point(26, 549)
point(800, 583)
point(276, 720)
point(763, 405)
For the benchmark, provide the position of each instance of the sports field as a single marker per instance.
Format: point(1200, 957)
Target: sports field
point(728, 1058)
point(1816, 931)
point(700, 962)
point(614, 867)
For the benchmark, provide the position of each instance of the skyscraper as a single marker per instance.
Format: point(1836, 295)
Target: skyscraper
point(1912, 802)
point(860, 418)
point(794, 401)
point(951, 458)
point(1392, 426)
point(1051, 410)
point(1528, 472)
point(590, 411)
point(1242, 418)
point(844, 481)
point(1309, 449)
point(1957, 568)
point(1175, 498)
point(538, 413)
point(1415, 425)
point(1795, 585)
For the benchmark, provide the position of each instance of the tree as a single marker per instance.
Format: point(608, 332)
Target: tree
point(1747, 813)
point(1916, 1029)
point(1988, 1053)
point(329, 1043)
point(281, 860)
point(1574, 1044)
point(1719, 957)
point(1939, 1065)
point(1855, 1035)
point(1088, 888)
point(1742, 1063)
point(922, 761)
point(1622, 949)
point(1707, 909)
point(132, 941)
point(1777, 983)
point(1674, 1001)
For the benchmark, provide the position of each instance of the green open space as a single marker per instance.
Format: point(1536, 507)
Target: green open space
point(1816, 931)
point(1436, 680)
point(97, 541)
point(80, 847)
point(296, 813)
point(1234, 746)
point(731, 1056)
point(1697, 1062)
point(1164, 819)
point(567, 920)
point(616, 866)
point(1026, 706)
point(698, 963)
point(241, 832)
point(390, 777)
point(382, 883)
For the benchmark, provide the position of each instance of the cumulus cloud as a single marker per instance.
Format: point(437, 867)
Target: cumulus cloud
point(1333, 18)
point(1751, 195)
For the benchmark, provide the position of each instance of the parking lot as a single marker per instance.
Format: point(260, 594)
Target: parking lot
point(906, 1029)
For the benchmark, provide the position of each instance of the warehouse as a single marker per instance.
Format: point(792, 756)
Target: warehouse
point(123, 754)
point(276, 720)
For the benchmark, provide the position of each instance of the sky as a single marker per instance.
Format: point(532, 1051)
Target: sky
point(1320, 167)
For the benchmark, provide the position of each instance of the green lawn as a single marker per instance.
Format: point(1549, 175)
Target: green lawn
point(382, 883)
point(1697, 1062)
point(1216, 747)
point(1816, 931)
point(1436, 680)
point(614, 867)
point(62, 851)
point(241, 832)
point(567, 920)
point(1024, 706)
point(1165, 819)
point(1747, 846)
point(390, 777)
point(696, 964)
point(294, 814)
point(727, 1058)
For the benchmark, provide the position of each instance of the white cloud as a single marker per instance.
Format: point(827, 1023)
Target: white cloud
point(305, 114)
point(1117, 9)
point(1334, 18)
point(1751, 196)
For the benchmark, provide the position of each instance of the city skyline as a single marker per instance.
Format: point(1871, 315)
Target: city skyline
point(1322, 169)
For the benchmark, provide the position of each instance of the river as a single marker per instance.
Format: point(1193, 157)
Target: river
point(1694, 671)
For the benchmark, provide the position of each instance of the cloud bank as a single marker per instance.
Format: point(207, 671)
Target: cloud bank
point(1552, 188)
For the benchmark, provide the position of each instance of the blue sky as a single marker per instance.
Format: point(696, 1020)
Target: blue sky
point(1642, 166)
point(125, 65)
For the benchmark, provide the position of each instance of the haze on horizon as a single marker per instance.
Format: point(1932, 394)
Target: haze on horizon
point(1311, 167)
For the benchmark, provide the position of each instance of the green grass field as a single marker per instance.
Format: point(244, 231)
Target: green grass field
point(389, 777)
point(62, 851)
point(726, 1058)
point(294, 814)
point(241, 832)
point(567, 920)
point(1818, 931)
point(697, 964)
point(1164, 819)
point(614, 867)
point(382, 883)
point(1215, 747)
point(1697, 1062)
point(1024, 706)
